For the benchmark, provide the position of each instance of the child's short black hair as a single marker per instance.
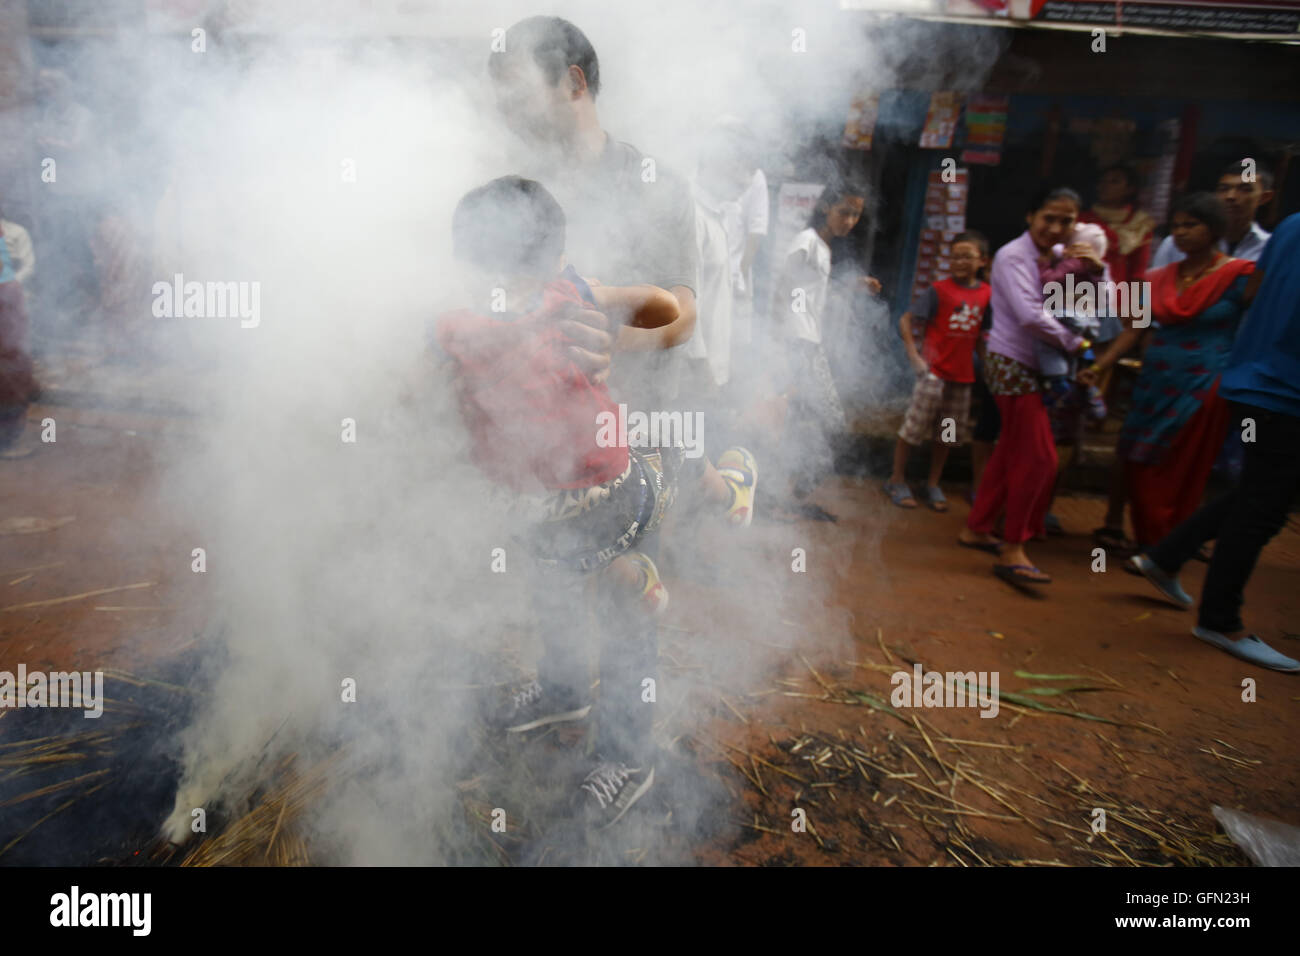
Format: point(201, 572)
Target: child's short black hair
point(970, 235)
point(1206, 208)
point(510, 226)
point(555, 45)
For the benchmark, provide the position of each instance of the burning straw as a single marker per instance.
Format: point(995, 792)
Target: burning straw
point(268, 834)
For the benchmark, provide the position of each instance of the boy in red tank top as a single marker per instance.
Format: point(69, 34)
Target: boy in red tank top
point(954, 311)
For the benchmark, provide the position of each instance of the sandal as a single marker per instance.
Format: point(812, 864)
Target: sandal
point(1021, 575)
point(900, 494)
point(935, 499)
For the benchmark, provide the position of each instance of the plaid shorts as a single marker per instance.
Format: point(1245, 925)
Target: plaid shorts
point(934, 401)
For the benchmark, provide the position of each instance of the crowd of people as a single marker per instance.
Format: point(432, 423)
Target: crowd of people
point(1184, 324)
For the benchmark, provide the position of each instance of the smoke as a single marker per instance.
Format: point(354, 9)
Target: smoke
point(347, 540)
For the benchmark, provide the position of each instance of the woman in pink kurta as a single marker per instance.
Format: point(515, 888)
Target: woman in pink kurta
point(1019, 476)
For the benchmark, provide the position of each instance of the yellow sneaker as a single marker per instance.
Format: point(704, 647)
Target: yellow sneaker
point(739, 470)
point(653, 593)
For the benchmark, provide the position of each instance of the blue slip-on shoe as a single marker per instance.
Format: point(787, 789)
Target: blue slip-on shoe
point(1250, 648)
point(1166, 585)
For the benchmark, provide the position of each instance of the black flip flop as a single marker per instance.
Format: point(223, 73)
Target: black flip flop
point(986, 546)
point(1007, 572)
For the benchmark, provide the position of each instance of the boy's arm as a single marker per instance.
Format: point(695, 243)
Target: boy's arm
point(1123, 344)
point(923, 309)
point(648, 317)
point(909, 343)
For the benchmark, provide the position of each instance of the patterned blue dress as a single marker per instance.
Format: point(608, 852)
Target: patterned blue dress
point(1179, 371)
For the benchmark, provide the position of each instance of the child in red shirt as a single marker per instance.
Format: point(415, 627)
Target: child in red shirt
point(954, 311)
point(533, 417)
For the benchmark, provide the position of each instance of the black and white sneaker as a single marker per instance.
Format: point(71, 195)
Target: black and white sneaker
point(528, 706)
point(610, 789)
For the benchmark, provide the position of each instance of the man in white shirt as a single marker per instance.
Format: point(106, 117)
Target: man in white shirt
point(721, 180)
point(1244, 238)
point(711, 343)
point(746, 221)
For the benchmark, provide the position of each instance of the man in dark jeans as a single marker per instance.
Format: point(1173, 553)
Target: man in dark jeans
point(1263, 383)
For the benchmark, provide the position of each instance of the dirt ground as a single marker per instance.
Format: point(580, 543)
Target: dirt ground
point(1170, 735)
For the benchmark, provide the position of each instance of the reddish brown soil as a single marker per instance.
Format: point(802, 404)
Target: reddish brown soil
point(928, 600)
point(895, 574)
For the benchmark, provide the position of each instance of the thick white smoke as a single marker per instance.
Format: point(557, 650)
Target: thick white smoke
point(309, 156)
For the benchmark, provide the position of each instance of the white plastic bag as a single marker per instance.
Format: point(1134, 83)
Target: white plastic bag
point(1267, 842)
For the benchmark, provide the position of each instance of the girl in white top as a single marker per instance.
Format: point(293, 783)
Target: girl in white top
point(816, 412)
point(807, 279)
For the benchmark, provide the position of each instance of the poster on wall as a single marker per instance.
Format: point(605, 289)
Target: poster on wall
point(941, 120)
point(986, 128)
point(944, 215)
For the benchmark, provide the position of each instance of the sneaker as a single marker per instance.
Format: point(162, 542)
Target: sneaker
point(610, 789)
point(1169, 587)
point(528, 706)
point(654, 596)
point(1249, 648)
point(739, 470)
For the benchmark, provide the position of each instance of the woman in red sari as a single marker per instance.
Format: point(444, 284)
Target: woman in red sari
point(1178, 420)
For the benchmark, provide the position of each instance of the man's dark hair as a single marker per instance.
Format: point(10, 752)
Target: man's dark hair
point(1051, 194)
point(1263, 175)
point(510, 226)
point(556, 44)
point(1203, 207)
